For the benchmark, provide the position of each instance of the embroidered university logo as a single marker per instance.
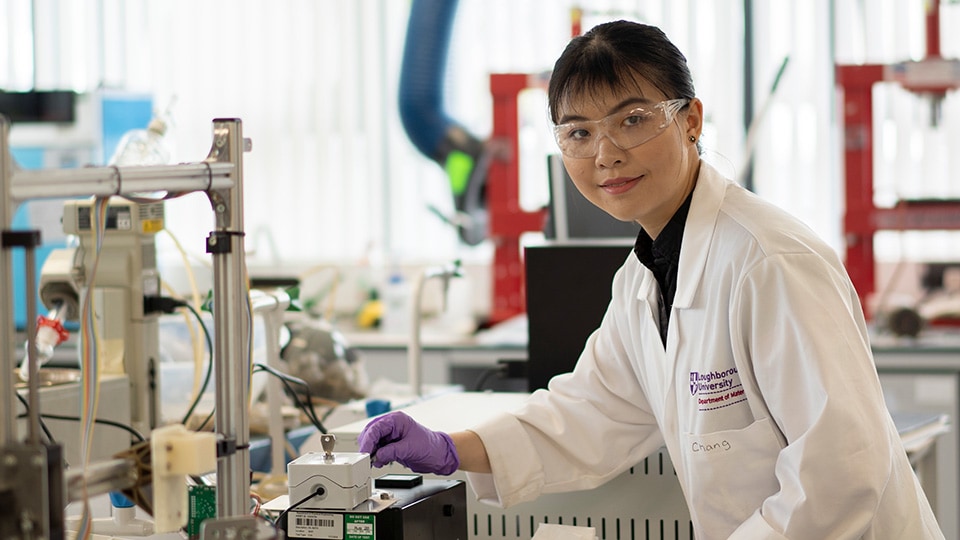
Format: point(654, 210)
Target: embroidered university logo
point(716, 389)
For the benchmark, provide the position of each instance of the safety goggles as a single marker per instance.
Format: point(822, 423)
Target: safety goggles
point(625, 129)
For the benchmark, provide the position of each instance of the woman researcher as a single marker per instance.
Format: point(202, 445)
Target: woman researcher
point(734, 337)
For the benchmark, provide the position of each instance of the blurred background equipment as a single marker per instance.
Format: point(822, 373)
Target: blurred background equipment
point(320, 355)
point(929, 80)
point(430, 127)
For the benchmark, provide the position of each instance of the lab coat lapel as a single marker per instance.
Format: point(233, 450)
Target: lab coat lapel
point(648, 303)
point(697, 236)
point(648, 294)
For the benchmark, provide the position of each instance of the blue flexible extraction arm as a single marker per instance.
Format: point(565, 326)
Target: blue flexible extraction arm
point(434, 133)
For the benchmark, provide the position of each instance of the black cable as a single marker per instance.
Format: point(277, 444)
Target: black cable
point(166, 304)
point(205, 420)
point(319, 492)
point(206, 379)
point(286, 379)
point(136, 434)
point(43, 426)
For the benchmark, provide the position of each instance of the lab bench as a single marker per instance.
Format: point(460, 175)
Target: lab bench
point(924, 377)
point(460, 361)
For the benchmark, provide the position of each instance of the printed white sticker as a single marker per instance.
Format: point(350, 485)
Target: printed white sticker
point(315, 525)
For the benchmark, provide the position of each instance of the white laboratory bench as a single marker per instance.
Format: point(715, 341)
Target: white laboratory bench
point(461, 360)
point(923, 376)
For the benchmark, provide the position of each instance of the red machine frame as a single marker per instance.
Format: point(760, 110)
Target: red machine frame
point(933, 76)
point(508, 221)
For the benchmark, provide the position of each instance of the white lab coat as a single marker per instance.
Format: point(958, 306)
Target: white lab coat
point(766, 396)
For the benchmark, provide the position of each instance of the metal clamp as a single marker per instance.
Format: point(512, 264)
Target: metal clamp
point(116, 170)
point(25, 239)
point(209, 175)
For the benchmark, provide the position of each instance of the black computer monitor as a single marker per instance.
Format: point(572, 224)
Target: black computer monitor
point(567, 292)
point(571, 217)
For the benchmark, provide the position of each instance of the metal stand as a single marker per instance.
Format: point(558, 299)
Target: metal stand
point(220, 175)
point(34, 512)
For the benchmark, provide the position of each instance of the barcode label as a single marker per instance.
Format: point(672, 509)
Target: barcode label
point(315, 525)
point(310, 521)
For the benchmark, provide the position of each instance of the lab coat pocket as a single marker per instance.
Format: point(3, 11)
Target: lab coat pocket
point(730, 473)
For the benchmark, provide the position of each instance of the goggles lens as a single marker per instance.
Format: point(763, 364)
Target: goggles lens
point(625, 129)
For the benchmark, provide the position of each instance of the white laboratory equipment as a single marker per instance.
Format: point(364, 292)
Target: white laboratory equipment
point(338, 481)
point(126, 273)
point(334, 495)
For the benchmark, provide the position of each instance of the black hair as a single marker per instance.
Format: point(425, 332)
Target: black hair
point(613, 56)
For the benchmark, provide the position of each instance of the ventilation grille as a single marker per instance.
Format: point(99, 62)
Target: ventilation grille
point(516, 526)
point(151, 211)
point(643, 503)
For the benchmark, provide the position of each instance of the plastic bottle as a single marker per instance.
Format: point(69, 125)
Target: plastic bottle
point(143, 146)
point(396, 307)
point(46, 340)
point(50, 333)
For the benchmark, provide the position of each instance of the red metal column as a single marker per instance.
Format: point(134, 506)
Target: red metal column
point(932, 23)
point(857, 83)
point(507, 219)
point(931, 77)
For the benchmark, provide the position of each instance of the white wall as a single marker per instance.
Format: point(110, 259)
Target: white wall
point(332, 178)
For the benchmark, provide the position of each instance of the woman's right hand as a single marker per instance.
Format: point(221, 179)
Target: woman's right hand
point(397, 437)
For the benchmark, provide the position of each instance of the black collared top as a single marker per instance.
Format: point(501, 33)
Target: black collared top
point(662, 257)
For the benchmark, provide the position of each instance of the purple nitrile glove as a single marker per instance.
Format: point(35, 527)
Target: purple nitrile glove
point(397, 437)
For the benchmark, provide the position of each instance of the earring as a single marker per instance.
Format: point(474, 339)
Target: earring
point(693, 139)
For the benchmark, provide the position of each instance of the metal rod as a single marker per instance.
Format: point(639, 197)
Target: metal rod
point(233, 320)
point(414, 347)
point(33, 363)
point(98, 478)
point(272, 307)
point(102, 181)
point(8, 404)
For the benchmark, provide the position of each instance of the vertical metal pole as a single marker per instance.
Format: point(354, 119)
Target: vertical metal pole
point(8, 426)
point(33, 363)
point(272, 311)
point(233, 322)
